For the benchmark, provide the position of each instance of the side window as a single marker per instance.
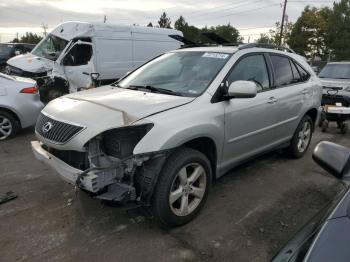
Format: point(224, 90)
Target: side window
point(303, 74)
point(283, 70)
point(251, 68)
point(78, 55)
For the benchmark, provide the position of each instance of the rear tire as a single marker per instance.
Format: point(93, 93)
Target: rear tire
point(9, 125)
point(301, 138)
point(344, 128)
point(182, 187)
point(325, 125)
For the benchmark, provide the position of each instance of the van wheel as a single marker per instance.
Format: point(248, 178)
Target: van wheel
point(301, 138)
point(9, 126)
point(182, 188)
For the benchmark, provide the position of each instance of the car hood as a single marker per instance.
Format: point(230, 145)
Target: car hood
point(31, 63)
point(135, 104)
point(106, 108)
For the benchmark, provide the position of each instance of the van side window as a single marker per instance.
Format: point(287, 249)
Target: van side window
point(251, 68)
point(78, 55)
point(283, 70)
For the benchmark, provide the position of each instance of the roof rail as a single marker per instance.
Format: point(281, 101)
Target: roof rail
point(270, 46)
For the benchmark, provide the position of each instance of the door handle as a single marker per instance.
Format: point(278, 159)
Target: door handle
point(305, 92)
point(272, 100)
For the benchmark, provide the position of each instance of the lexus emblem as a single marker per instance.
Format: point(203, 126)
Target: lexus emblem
point(47, 127)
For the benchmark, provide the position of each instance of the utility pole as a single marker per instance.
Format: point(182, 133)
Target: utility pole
point(282, 22)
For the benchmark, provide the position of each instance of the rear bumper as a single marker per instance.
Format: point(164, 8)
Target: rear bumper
point(66, 172)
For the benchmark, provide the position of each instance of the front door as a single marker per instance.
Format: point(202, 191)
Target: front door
point(78, 65)
point(249, 122)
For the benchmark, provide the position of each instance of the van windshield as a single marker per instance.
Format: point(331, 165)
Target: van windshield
point(184, 73)
point(50, 47)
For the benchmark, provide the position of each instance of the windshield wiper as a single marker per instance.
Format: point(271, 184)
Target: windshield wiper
point(154, 89)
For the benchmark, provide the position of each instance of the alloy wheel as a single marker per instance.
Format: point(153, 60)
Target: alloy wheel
point(188, 189)
point(304, 137)
point(5, 128)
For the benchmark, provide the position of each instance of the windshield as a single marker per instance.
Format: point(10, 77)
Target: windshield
point(50, 48)
point(183, 73)
point(336, 71)
point(6, 49)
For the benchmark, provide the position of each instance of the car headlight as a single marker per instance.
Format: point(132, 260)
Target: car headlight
point(120, 142)
point(347, 89)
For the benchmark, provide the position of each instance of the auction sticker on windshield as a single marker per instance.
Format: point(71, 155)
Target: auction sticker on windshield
point(215, 55)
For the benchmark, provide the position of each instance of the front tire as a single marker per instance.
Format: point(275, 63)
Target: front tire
point(9, 126)
point(301, 138)
point(182, 188)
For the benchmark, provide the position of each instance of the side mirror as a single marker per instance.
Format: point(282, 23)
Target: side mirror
point(333, 158)
point(242, 89)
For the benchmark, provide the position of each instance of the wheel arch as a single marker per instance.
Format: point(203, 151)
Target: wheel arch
point(13, 113)
point(206, 146)
point(313, 114)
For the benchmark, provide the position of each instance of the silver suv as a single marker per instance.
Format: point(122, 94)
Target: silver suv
point(164, 132)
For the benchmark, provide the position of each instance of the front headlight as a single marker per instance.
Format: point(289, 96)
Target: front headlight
point(120, 142)
point(347, 89)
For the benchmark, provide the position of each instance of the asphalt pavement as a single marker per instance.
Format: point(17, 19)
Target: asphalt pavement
point(250, 214)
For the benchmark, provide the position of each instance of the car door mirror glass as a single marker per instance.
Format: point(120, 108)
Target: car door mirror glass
point(333, 158)
point(242, 89)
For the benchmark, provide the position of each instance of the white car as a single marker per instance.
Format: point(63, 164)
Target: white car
point(19, 104)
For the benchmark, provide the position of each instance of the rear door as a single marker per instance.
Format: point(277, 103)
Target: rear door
point(291, 92)
point(249, 122)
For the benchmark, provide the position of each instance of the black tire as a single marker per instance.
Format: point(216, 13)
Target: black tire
point(161, 208)
point(325, 125)
point(15, 126)
point(293, 149)
point(344, 128)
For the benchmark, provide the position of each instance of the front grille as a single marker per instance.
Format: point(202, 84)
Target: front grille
point(56, 131)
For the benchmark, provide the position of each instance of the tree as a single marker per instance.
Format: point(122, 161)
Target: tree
point(150, 24)
point(308, 36)
point(264, 39)
point(227, 32)
point(29, 38)
point(164, 21)
point(275, 34)
point(180, 24)
point(338, 30)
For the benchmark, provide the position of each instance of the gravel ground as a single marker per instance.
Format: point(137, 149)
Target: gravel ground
point(251, 212)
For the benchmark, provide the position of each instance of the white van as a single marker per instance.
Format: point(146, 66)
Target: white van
point(74, 50)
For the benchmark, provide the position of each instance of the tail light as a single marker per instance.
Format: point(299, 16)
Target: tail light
point(29, 90)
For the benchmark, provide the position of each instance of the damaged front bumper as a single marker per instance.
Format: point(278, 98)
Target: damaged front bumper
point(68, 173)
point(141, 173)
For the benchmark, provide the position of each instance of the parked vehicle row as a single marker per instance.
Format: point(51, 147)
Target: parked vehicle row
point(8, 50)
point(75, 50)
point(179, 121)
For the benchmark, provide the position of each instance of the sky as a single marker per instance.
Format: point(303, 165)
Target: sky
point(250, 17)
